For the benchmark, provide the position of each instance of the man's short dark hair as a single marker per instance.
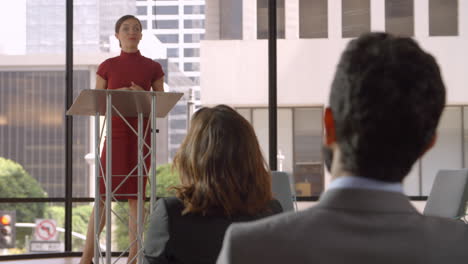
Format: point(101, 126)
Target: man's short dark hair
point(386, 98)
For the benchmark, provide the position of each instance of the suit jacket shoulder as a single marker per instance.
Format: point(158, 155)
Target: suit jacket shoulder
point(345, 226)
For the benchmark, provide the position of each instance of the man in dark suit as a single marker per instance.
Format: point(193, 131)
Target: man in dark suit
point(385, 103)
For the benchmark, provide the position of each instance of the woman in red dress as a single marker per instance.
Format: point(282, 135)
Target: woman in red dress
point(129, 71)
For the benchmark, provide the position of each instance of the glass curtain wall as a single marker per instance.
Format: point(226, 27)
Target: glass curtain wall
point(32, 123)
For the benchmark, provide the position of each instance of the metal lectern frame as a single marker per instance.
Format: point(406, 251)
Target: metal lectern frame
point(124, 104)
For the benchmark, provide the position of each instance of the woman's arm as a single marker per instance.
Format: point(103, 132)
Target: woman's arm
point(158, 85)
point(101, 84)
point(157, 236)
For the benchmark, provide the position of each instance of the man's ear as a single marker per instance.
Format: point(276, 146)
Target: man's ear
point(431, 144)
point(330, 132)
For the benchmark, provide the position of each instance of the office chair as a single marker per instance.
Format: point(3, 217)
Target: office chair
point(449, 195)
point(282, 191)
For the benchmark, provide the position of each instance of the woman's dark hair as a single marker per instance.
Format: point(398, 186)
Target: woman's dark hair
point(119, 22)
point(221, 166)
point(386, 98)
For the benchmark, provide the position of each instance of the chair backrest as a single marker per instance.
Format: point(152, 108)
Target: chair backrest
point(449, 194)
point(281, 188)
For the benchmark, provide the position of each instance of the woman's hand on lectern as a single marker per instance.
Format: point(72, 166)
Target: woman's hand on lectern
point(123, 89)
point(136, 87)
point(133, 87)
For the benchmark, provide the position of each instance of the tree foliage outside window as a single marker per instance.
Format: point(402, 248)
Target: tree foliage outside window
point(15, 182)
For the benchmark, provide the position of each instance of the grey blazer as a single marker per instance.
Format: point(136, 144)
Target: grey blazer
point(192, 238)
point(349, 226)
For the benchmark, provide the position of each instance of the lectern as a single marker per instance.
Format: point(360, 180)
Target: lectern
point(138, 104)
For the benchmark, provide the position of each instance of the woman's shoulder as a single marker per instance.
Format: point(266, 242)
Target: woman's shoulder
point(171, 201)
point(274, 206)
point(109, 61)
point(150, 61)
point(106, 67)
point(173, 205)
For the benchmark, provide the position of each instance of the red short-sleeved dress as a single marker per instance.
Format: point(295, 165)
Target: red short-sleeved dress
point(120, 72)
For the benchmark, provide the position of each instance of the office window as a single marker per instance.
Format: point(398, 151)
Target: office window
point(193, 38)
point(168, 38)
point(449, 140)
point(465, 135)
point(32, 129)
point(308, 166)
point(165, 24)
point(313, 18)
point(196, 23)
point(191, 52)
point(164, 65)
point(299, 144)
point(28, 212)
point(195, 80)
point(144, 24)
point(412, 181)
point(262, 19)
point(355, 17)
point(285, 152)
point(399, 17)
point(179, 109)
point(178, 124)
point(176, 137)
point(246, 113)
point(230, 17)
point(141, 10)
point(198, 94)
point(172, 52)
point(443, 17)
point(260, 125)
point(194, 9)
point(191, 66)
point(165, 10)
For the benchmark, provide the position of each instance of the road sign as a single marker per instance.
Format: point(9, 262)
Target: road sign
point(46, 230)
point(46, 246)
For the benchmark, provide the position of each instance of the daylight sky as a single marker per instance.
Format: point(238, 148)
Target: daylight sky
point(12, 27)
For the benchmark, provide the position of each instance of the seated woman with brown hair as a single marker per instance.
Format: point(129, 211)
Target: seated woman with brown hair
point(224, 179)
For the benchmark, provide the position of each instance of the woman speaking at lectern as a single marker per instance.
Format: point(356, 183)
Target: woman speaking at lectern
point(133, 72)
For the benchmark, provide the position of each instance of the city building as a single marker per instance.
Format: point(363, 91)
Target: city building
point(179, 25)
point(93, 24)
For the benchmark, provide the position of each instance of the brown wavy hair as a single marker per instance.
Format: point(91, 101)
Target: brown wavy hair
point(221, 167)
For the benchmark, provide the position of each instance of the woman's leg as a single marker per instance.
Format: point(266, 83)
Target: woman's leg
point(88, 250)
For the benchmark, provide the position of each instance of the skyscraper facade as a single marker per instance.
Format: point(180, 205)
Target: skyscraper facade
point(179, 25)
point(92, 28)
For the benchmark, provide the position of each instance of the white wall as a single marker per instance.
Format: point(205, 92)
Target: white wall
point(236, 71)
